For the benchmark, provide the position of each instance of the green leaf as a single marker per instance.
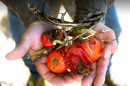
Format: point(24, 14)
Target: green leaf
point(82, 30)
point(58, 41)
point(37, 52)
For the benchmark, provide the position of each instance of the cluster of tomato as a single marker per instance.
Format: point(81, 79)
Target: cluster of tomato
point(77, 58)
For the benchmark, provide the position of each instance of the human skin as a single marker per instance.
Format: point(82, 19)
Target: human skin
point(31, 41)
point(100, 66)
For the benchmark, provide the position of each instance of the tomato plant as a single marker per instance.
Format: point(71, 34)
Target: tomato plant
point(49, 36)
point(55, 61)
point(92, 47)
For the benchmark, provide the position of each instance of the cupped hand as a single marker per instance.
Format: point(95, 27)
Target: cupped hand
point(31, 41)
point(109, 46)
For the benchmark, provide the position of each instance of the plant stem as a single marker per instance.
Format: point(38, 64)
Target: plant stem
point(84, 32)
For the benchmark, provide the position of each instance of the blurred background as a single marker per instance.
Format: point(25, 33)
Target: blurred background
point(15, 73)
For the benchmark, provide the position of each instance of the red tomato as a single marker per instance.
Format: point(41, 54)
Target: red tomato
point(77, 60)
point(92, 47)
point(49, 36)
point(75, 42)
point(55, 61)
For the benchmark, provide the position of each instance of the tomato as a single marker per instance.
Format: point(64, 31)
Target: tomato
point(55, 61)
point(92, 47)
point(77, 60)
point(75, 42)
point(49, 36)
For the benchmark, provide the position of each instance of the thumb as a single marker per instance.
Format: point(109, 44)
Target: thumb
point(20, 50)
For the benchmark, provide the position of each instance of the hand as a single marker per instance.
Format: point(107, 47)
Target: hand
point(31, 41)
point(100, 66)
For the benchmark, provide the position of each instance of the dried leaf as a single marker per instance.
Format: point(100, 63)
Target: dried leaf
point(37, 52)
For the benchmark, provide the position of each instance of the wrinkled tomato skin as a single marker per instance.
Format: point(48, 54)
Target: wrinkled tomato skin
point(77, 60)
point(94, 50)
point(47, 39)
point(60, 67)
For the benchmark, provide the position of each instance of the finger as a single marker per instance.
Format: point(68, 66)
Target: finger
point(78, 78)
point(48, 75)
point(109, 49)
point(51, 77)
point(20, 50)
point(110, 44)
point(101, 71)
point(87, 80)
point(42, 60)
point(68, 79)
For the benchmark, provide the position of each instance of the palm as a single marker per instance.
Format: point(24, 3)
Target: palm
point(36, 44)
point(31, 41)
point(100, 66)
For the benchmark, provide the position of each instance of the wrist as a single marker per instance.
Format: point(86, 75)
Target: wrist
point(84, 7)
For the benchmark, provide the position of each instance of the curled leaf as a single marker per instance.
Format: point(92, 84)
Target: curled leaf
point(76, 32)
point(37, 52)
point(59, 42)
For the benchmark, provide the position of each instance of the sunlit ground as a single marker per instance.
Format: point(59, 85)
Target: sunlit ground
point(17, 73)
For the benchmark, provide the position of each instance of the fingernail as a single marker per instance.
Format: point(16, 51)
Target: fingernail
point(108, 53)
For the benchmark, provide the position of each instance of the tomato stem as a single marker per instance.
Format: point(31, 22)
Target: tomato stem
point(84, 32)
point(58, 41)
point(93, 34)
point(55, 61)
